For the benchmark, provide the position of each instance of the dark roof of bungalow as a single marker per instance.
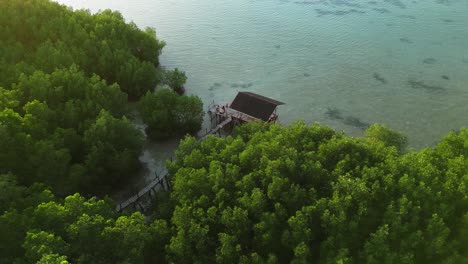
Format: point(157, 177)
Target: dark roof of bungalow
point(255, 105)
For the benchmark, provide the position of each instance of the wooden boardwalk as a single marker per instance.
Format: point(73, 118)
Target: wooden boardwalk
point(231, 113)
point(159, 181)
point(217, 128)
point(227, 114)
point(240, 116)
point(162, 181)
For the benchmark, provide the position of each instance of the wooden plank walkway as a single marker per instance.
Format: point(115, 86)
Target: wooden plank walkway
point(141, 193)
point(217, 128)
point(239, 115)
point(160, 181)
point(229, 113)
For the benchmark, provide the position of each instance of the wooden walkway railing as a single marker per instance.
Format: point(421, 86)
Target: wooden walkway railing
point(162, 181)
point(159, 181)
point(217, 128)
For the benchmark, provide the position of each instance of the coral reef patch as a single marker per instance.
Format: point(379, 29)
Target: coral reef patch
point(379, 78)
point(421, 85)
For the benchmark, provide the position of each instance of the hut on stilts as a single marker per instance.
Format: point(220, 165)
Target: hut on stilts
point(246, 107)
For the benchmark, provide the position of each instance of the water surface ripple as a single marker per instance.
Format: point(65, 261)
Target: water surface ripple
point(398, 62)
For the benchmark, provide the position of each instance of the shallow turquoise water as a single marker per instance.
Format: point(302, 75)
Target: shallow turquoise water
point(397, 62)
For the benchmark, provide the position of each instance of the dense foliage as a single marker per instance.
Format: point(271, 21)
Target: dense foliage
point(43, 35)
point(270, 194)
point(53, 129)
point(306, 194)
point(65, 80)
point(175, 80)
point(267, 194)
point(166, 113)
point(36, 227)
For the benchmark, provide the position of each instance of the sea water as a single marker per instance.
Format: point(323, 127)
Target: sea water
point(342, 63)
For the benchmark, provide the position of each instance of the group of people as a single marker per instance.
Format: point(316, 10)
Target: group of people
point(222, 109)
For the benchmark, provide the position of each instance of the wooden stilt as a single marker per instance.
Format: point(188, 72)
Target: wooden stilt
point(140, 206)
point(168, 183)
point(162, 184)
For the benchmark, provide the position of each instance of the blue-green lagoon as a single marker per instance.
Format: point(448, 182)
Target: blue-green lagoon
point(341, 63)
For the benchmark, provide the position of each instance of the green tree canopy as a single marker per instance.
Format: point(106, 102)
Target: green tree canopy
point(59, 69)
point(268, 194)
point(37, 227)
point(382, 134)
point(44, 132)
point(113, 146)
point(305, 194)
point(166, 113)
point(175, 79)
point(43, 35)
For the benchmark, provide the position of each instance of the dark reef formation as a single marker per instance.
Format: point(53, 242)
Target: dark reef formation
point(406, 40)
point(322, 12)
point(241, 85)
point(379, 78)
point(333, 113)
point(429, 61)
point(336, 114)
point(421, 85)
point(381, 10)
point(355, 122)
point(215, 86)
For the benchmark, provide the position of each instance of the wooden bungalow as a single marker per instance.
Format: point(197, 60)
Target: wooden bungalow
point(246, 107)
point(255, 105)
